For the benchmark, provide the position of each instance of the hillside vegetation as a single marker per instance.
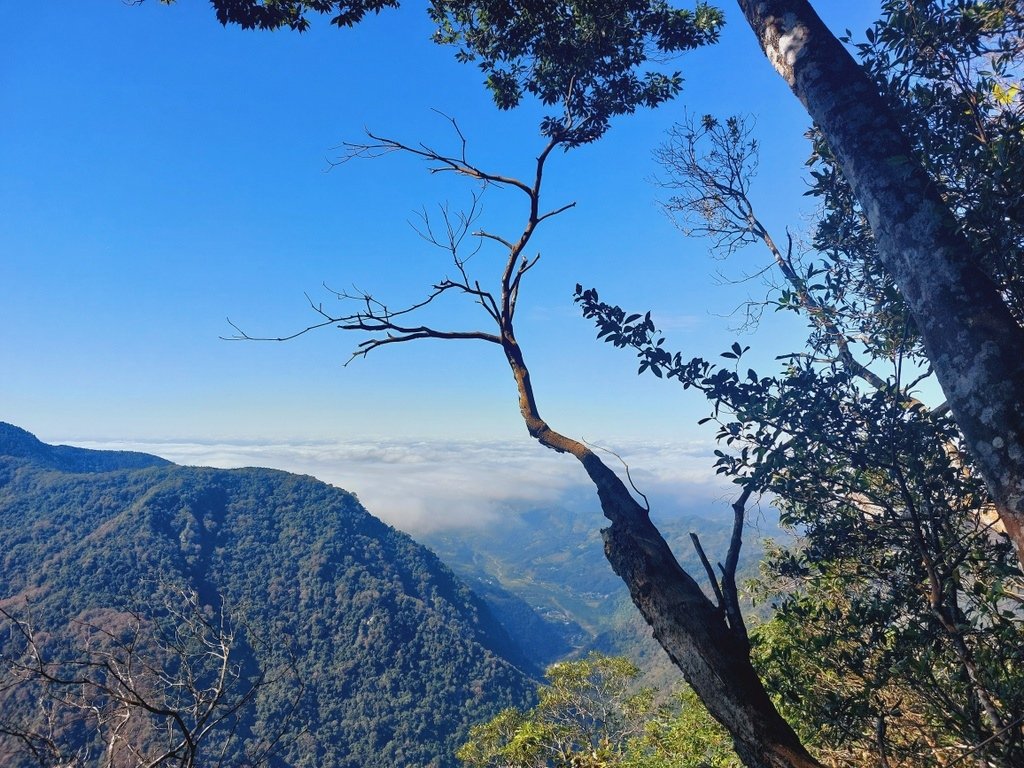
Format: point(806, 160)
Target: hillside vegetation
point(396, 656)
point(544, 574)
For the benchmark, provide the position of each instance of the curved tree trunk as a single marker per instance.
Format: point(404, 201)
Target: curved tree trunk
point(706, 640)
point(972, 340)
point(712, 653)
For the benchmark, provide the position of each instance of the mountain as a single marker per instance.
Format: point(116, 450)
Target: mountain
point(17, 443)
point(396, 656)
point(543, 571)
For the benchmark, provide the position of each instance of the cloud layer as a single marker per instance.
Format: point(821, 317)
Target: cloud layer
point(429, 485)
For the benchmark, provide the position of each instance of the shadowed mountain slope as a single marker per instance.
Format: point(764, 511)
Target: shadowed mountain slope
point(397, 656)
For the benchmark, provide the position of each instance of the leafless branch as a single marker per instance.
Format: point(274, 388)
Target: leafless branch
point(555, 211)
point(732, 558)
point(496, 238)
point(438, 162)
point(149, 690)
point(386, 326)
point(376, 318)
point(712, 579)
point(712, 166)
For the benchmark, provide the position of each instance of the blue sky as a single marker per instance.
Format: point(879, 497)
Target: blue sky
point(159, 173)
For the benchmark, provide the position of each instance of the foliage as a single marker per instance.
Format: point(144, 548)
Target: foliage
point(396, 656)
point(888, 501)
point(897, 609)
point(900, 588)
point(951, 69)
point(590, 57)
point(293, 14)
point(683, 733)
point(589, 715)
point(930, 608)
point(859, 661)
point(899, 616)
point(582, 55)
point(705, 637)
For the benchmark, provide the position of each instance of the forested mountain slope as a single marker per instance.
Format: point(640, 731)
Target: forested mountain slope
point(397, 656)
point(545, 576)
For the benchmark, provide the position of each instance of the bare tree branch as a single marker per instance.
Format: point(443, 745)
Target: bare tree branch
point(386, 326)
point(438, 162)
point(708, 644)
point(712, 579)
point(151, 690)
point(714, 201)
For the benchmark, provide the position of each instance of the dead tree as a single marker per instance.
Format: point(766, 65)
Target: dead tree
point(133, 689)
point(706, 639)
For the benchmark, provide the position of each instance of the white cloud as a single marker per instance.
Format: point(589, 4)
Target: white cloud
point(435, 484)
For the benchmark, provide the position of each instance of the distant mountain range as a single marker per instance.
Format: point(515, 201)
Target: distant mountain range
point(398, 656)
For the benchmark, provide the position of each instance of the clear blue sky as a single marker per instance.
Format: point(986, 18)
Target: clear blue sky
point(159, 173)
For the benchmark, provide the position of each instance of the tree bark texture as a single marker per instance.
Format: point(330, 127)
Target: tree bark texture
point(713, 656)
point(975, 346)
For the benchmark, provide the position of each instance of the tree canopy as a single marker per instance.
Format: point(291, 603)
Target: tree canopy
point(590, 714)
point(292, 14)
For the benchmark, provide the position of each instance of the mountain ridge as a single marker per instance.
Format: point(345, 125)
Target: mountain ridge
point(399, 656)
point(20, 443)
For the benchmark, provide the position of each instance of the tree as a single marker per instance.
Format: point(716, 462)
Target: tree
point(934, 625)
point(291, 14)
point(870, 633)
point(707, 640)
point(589, 716)
point(950, 633)
point(872, 674)
point(127, 688)
point(971, 335)
point(968, 329)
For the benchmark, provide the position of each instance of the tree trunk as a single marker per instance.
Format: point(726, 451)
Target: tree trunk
point(713, 657)
point(975, 346)
point(714, 661)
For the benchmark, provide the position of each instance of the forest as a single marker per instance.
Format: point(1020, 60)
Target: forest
point(155, 614)
point(890, 629)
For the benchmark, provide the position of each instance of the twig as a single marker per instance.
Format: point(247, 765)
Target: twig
point(629, 477)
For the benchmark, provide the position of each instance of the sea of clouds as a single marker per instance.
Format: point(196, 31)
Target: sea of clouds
point(430, 485)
